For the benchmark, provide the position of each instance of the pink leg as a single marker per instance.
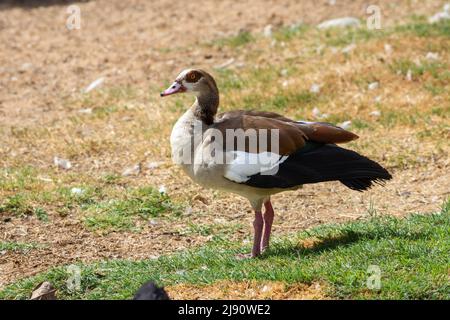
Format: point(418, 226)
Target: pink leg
point(268, 220)
point(258, 226)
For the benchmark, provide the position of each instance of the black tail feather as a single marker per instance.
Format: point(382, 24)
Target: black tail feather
point(320, 163)
point(362, 184)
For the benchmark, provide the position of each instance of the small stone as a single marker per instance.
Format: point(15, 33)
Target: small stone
point(44, 291)
point(153, 165)
point(85, 111)
point(409, 75)
point(26, 66)
point(349, 48)
point(320, 49)
point(200, 198)
point(440, 16)
point(188, 211)
point(339, 23)
point(76, 191)
point(162, 189)
point(226, 64)
point(62, 163)
point(267, 32)
point(94, 85)
point(405, 194)
point(388, 49)
point(432, 56)
point(345, 125)
point(435, 199)
point(132, 171)
point(284, 72)
point(375, 113)
point(315, 88)
point(316, 113)
point(373, 85)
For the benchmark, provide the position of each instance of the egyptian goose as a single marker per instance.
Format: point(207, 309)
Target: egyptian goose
point(257, 154)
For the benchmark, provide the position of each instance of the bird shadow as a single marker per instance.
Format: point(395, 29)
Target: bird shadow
point(315, 246)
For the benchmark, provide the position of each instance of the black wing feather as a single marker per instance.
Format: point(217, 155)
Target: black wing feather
point(323, 162)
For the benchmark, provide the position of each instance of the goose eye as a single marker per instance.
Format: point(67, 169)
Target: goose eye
point(192, 76)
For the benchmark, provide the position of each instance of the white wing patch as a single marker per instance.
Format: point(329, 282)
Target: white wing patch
point(244, 165)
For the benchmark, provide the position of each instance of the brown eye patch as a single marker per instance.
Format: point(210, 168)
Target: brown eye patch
point(193, 76)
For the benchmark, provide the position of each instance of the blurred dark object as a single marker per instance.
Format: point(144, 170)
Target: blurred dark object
point(150, 291)
point(36, 3)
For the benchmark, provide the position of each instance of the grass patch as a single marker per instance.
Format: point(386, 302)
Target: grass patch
point(121, 214)
point(422, 28)
point(241, 39)
point(17, 204)
point(435, 69)
point(18, 246)
point(418, 27)
point(291, 32)
point(217, 231)
point(344, 37)
point(411, 254)
point(41, 214)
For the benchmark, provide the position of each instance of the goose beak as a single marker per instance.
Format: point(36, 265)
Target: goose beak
point(175, 87)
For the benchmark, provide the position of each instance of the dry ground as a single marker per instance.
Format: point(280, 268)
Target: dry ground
point(138, 47)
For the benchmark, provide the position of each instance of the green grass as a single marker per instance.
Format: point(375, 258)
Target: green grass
point(18, 246)
point(435, 69)
point(242, 38)
point(411, 253)
point(420, 27)
point(104, 205)
point(121, 214)
point(344, 37)
point(17, 204)
point(217, 231)
point(291, 32)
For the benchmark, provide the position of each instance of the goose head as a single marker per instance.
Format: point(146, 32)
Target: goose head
point(195, 81)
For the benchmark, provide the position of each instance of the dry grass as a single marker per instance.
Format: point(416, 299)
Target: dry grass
point(129, 124)
point(248, 290)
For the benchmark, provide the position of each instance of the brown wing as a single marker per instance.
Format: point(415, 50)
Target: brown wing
point(291, 137)
point(264, 114)
point(315, 131)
